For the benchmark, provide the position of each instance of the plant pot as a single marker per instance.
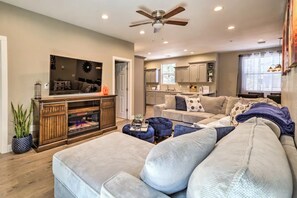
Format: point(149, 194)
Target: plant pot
point(21, 145)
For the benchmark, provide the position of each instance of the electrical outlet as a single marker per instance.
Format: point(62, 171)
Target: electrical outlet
point(46, 86)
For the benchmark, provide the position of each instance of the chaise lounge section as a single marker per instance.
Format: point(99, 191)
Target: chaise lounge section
point(240, 164)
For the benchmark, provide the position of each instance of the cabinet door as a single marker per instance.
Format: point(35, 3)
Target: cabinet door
point(147, 76)
point(186, 74)
point(160, 98)
point(154, 76)
point(193, 73)
point(182, 74)
point(179, 74)
point(53, 123)
point(150, 98)
point(202, 73)
point(107, 113)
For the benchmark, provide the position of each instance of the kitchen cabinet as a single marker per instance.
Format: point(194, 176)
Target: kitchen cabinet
point(150, 98)
point(160, 97)
point(182, 74)
point(152, 76)
point(198, 72)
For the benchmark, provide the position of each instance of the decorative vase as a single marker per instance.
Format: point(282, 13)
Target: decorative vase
point(21, 145)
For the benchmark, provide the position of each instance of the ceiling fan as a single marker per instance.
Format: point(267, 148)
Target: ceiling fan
point(160, 17)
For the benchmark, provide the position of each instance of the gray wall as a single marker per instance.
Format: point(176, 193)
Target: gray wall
point(139, 90)
point(32, 38)
point(228, 71)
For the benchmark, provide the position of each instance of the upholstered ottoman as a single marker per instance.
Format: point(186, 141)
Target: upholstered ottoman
point(162, 126)
point(148, 136)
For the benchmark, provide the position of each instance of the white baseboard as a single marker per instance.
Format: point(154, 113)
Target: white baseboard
point(9, 149)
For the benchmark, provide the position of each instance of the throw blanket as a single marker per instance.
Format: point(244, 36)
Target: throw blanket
point(281, 117)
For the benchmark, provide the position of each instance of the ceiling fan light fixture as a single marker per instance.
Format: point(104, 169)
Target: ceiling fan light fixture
point(158, 24)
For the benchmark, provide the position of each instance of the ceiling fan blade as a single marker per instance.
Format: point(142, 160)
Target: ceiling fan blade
point(137, 24)
point(145, 14)
point(172, 22)
point(174, 12)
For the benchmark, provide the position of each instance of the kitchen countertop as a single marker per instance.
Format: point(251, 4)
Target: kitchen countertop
point(182, 92)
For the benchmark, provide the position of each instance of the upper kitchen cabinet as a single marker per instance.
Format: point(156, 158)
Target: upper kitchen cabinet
point(198, 72)
point(152, 75)
point(182, 74)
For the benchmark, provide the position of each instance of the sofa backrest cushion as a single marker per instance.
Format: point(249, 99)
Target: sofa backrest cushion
point(170, 163)
point(212, 104)
point(230, 104)
point(249, 162)
point(170, 102)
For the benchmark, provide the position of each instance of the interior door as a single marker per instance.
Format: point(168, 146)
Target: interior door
point(121, 90)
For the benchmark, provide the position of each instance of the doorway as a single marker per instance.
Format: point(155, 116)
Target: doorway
point(3, 96)
point(121, 89)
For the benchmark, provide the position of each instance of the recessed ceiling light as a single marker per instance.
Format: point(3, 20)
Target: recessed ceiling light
point(165, 42)
point(192, 52)
point(231, 27)
point(185, 50)
point(218, 8)
point(142, 32)
point(261, 41)
point(104, 16)
point(149, 53)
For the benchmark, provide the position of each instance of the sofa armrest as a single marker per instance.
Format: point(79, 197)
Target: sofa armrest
point(158, 109)
point(123, 185)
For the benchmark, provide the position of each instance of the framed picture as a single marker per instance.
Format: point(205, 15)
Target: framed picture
point(290, 37)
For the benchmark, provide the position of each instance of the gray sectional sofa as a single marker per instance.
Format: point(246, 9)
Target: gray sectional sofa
point(251, 161)
point(215, 109)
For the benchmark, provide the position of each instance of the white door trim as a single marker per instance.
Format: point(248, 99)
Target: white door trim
point(4, 96)
point(130, 81)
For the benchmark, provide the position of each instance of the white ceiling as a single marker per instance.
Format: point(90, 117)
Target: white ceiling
point(206, 31)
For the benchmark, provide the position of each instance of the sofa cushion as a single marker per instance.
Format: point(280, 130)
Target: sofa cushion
point(249, 162)
point(170, 102)
point(239, 108)
point(180, 103)
point(194, 105)
point(173, 114)
point(192, 117)
point(170, 163)
point(230, 104)
point(207, 121)
point(124, 185)
point(212, 104)
point(83, 169)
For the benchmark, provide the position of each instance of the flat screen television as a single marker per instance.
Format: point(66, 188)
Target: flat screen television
point(74, 76)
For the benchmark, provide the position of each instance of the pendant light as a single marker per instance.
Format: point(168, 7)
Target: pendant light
point(278, 67)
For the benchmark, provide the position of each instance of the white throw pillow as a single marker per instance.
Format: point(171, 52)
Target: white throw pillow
point(239, 108)
point(170, 163)
point(194, 105)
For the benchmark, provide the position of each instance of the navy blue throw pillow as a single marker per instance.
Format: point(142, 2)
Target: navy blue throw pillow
point(180, 103)
point(221, 131)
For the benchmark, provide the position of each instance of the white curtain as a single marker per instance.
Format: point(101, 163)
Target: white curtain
point(254, 74)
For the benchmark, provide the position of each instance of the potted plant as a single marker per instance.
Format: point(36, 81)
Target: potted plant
point(22, 119)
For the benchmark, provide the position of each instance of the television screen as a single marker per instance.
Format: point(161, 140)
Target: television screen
point(74, 76)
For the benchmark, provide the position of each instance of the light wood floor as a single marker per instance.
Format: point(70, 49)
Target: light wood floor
point(30, 174)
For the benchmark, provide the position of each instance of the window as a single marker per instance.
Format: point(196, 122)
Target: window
point(168, 73)
point(255, 75)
